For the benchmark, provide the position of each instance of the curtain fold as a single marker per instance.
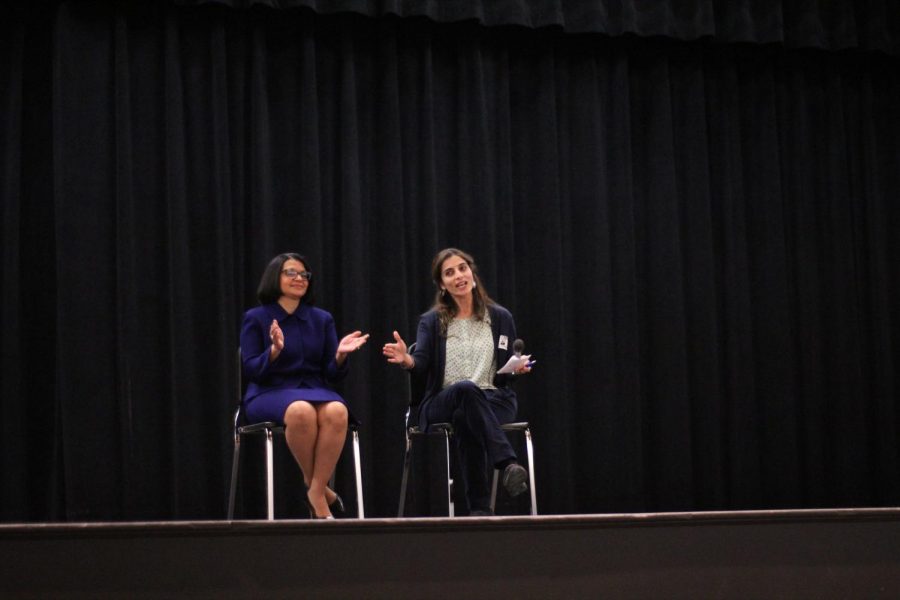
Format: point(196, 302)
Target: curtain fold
point(831, 25)
point(696, 241)
point(14, 460)
point(29, 476)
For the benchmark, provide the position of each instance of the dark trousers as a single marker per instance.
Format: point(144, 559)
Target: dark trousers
point(476, 415)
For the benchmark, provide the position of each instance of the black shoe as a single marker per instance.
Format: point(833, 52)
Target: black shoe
point(481, 512)
point(515, 479)
point(338, 505)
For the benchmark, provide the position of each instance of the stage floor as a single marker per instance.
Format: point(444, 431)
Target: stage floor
point(849, 553)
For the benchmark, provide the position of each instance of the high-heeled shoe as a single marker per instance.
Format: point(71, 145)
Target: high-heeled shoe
point(312, 511)
point(337, 505)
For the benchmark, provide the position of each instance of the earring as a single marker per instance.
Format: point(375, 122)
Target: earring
point(474, 285)
point(443, 292)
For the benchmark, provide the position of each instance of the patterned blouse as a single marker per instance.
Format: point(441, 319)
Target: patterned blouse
point(470, 352)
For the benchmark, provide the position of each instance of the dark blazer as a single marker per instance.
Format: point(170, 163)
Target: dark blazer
point(308, 357)
point(430, 353)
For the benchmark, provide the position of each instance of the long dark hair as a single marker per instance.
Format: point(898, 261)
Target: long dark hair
point(269, 289)
point(444, 304)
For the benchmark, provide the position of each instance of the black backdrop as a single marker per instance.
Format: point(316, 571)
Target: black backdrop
point(695, 231)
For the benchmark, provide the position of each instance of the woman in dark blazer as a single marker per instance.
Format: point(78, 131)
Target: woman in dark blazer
point(460, 344)
point(291, 358)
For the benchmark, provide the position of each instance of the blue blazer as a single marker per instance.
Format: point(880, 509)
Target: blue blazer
point(431, 351)
point(307, 360)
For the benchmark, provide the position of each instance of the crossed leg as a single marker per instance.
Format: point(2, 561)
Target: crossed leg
point(315, 434)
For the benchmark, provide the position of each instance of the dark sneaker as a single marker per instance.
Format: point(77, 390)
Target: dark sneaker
point(515, 479)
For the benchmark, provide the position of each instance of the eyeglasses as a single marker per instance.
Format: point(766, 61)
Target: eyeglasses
point(294, 274)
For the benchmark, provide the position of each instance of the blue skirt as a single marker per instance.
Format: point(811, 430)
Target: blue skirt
point(271, 405)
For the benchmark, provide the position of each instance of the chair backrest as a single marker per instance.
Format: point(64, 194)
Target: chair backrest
point(415, 391)
point(240, 377)
point(240, 419)
point(240, 388)
point(409, 391)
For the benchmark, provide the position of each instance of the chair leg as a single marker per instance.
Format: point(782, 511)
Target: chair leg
point(450, 505)
point(360, 504)
point(494, 481)
point(531, 482)
point(529, 448)
point(404, 480)
point(270, 478)
point(235, 462)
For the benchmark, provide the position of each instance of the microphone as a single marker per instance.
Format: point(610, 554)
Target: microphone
point(515, 361)
point(518, 347)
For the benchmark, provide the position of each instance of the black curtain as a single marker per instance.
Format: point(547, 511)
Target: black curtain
point(696, 238)
point(830, 24)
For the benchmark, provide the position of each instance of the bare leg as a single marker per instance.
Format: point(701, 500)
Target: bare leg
point(301, 429)
point(332, 421)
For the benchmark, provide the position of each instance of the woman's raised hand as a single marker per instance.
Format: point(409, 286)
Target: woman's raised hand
point(350, 343)
point(276, 336)
point(396, 352)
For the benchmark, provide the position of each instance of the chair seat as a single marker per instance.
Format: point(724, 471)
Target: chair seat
point(436, 428)
point(270, 429)
point(515, 426)
point(275, 427)
point(260, 427)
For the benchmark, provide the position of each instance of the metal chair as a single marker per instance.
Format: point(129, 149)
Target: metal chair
point(270, 429)
point(446, 431)
point(413, 433)
point(529, 448)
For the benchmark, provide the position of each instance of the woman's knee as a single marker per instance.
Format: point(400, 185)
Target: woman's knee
point(467, 392)
point(300, 414)
point(465, 388)
point(333, 414)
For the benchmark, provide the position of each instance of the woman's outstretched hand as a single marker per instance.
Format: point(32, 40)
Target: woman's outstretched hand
point(396, 353)
point(350, 343)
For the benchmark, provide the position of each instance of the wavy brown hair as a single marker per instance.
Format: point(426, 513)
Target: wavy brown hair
point(444, 304)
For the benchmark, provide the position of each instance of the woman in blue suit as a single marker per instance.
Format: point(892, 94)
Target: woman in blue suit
point(460, 344)
point(291, 357)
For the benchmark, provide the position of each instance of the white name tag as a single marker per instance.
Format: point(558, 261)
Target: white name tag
point(504, 342)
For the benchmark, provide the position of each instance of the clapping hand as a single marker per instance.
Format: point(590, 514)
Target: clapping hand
point(277, 338)
point(350, 343)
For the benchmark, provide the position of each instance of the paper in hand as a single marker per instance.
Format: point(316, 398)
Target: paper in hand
point(514, 364)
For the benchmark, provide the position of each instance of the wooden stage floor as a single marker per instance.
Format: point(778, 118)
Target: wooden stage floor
point(848, 553)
